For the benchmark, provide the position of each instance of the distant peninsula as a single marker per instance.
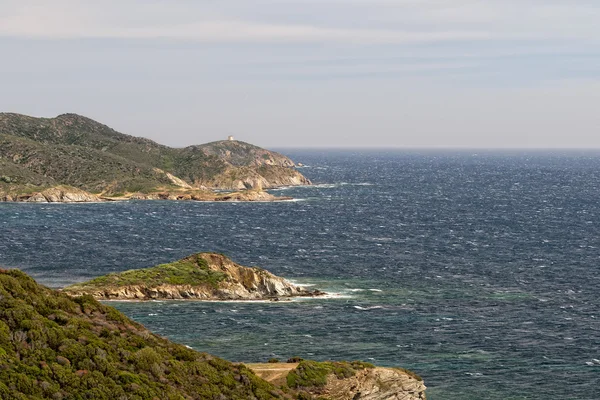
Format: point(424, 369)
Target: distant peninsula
point(202, 276)
point(78, 159)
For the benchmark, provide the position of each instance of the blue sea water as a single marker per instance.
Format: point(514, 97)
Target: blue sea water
point(478, 270)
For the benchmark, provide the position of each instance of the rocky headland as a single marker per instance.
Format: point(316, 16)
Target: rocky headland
point(38, 154)
point(203, 276)
point(344, 380)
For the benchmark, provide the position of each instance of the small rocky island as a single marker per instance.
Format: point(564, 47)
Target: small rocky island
point(202, 276)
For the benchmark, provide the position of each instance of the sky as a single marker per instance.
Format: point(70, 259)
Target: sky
point(312, 73)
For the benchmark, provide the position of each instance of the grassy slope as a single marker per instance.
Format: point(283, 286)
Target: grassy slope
point(191, 270)
point(56, 347)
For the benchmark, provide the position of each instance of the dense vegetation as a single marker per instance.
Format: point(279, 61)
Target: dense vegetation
point(77, 151)
point(313, 374)
point(192, 270)
point(56, 347)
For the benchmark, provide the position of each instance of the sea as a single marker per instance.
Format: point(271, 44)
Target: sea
point(479, 270)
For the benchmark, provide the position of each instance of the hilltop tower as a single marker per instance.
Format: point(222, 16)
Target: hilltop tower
point(230, 138)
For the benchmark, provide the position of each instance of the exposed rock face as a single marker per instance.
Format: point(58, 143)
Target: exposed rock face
point(222, 280)
point(376, 384)
point(58, 194)
point(67, 194)
point(239, 178)
point(251, 195)
point(245, 195)
point(174, 180)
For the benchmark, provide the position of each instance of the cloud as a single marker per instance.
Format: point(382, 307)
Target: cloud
point(307, 21)
point(52, 25)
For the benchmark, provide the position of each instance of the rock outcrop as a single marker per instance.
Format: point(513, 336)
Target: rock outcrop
point(376, 384)
point(203, 276)
point(250, 195)
point(58, 194)
point(206, 195)
point(67, 194)
point(343, 380)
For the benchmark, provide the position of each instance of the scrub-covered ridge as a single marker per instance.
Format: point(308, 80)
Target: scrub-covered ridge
point(53, 346)
point(72, 150)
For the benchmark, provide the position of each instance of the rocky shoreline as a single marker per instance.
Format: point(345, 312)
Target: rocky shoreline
point(68, 194)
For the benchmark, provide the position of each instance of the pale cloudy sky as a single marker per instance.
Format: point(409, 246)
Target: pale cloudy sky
point(306, 73)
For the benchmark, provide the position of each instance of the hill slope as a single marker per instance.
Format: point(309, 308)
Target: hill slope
point(74, 150)
point(55, 347)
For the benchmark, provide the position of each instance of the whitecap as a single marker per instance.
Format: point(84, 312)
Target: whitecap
point(376, 290)
point(367, 308)
point(301, 284)
point(330, 295)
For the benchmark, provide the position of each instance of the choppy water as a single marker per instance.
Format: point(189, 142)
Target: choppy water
point(478, 271)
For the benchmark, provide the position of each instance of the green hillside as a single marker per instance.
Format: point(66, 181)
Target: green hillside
point(53, 346)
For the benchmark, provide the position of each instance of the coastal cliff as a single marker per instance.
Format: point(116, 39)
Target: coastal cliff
point(203, 276)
